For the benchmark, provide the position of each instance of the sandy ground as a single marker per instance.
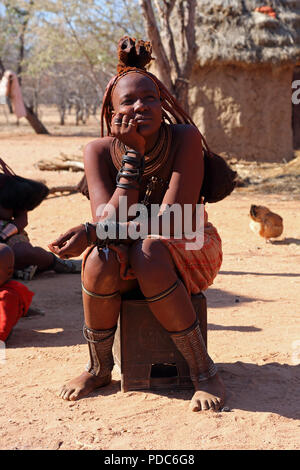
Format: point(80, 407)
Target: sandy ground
point(253, 334)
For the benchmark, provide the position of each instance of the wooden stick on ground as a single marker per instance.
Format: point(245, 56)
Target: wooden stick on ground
point(60, 165)
point(63, 189)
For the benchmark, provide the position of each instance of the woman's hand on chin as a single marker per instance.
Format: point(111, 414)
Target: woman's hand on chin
point(125, 128)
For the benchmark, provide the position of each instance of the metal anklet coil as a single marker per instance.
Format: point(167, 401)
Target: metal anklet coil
point(191, 345)
point(100, 343)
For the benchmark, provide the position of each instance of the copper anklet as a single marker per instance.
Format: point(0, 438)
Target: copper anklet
point(163, 294)
point(100, 296)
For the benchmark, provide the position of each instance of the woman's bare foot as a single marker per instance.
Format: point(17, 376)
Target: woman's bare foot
point(209, 394)
point(82, 386)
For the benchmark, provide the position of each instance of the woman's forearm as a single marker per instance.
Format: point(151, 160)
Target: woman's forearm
point(168, 224)
point(126, 193)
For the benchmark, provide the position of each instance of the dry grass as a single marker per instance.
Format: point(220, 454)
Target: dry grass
point(233, 32)
point(269, 177)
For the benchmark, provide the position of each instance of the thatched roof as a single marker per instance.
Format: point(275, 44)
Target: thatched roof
point(231, 31)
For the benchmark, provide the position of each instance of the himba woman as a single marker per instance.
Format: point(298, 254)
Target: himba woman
point(18, 196)
point(150, 159)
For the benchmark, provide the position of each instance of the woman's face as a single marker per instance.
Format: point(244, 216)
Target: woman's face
point(137, 96)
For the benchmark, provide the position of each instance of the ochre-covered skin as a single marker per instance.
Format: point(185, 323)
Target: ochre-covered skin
point(133, 108)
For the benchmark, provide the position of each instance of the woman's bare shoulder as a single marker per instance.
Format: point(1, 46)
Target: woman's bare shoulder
point(187, 142)
point(181, 131)
point(98, 148)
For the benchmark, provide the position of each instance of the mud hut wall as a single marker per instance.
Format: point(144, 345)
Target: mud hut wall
point(244, 111)
point(296, 112)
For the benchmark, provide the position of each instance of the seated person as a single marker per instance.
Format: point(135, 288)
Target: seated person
point(15, 298)
point(7, 260)
point(150, 159)
point(17, 197)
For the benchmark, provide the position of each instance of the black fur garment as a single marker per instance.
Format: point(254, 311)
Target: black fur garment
point(21, 194)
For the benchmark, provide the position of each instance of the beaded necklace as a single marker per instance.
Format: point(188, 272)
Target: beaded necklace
point(154, 159)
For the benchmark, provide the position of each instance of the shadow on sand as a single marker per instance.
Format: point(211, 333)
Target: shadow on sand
point(286, 241)
point(62, 319)
point(240, 273)
point(267, 388)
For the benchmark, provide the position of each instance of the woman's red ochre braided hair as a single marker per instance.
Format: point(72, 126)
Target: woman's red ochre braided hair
point(133, 57)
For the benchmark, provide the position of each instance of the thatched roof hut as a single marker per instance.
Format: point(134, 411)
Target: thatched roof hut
point(241, 87)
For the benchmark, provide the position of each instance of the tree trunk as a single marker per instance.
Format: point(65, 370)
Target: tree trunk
point(2, 68)
point(35, 123)
point(182, 92)
point(162, 61)
point(175, 64)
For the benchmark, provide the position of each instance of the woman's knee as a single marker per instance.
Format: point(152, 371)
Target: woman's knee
point(149, 255)
point(23, 252)
point(100, 274)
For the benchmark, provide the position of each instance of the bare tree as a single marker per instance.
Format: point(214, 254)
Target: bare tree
point(2, 68)
point(18, 18)
point(165, 21)
point(65, 48)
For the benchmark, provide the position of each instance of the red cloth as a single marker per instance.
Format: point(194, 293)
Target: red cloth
point(267, 10)
point(198, 267)
point(15, 300)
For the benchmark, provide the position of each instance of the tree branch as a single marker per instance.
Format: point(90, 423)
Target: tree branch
point(165, 14)
point(189, 32)
point(2, 68)
point(85, 54)
point(158, 48)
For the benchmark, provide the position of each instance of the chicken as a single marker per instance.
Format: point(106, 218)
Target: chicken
point(265, 223)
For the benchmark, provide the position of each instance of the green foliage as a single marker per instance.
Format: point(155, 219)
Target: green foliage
point(46, 40)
